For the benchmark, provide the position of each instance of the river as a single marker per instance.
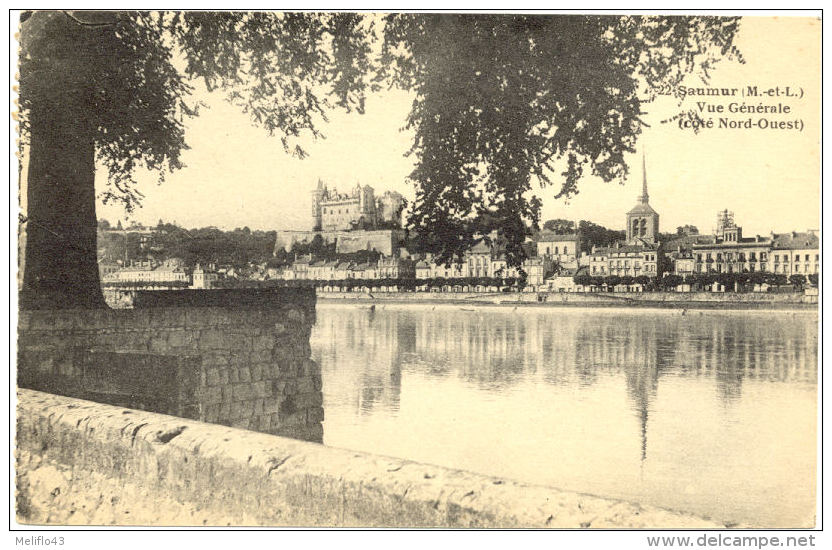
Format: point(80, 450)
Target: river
point(710, 412)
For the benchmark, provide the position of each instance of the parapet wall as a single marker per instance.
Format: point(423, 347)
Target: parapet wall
point(248, 366)
point(748, 300)
point(222, 475)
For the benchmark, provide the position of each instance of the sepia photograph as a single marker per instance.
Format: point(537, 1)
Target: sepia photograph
point(417, 270)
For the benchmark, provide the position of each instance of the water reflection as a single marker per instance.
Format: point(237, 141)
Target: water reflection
point(650, 405)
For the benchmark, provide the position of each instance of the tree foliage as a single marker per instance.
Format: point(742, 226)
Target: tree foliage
point(505, 101)
point(594, 234)
point(286, 70)
point(559, 226)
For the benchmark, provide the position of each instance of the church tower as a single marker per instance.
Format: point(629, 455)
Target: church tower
point(642, 220)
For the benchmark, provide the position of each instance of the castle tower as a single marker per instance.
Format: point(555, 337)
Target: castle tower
point(317, 198)
point(642, 220)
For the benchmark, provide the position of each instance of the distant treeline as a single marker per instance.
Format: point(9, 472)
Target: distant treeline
point(238, 248)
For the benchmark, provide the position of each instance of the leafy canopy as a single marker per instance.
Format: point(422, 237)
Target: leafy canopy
point(284, 69)
point(504, 101)
point(501, 101)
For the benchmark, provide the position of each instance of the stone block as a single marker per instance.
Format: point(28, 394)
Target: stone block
point(314, 414)
point(291, 387)
point(241, 409)
point(305, 385)
point(263, 343)
point(311, 399)
point(180, 338)
point(158, 344)
point(278, 387)
point(225, 411)
point(271, 405)
point(309, 367)
point(261, 356)
point(242, 392)
point(244, 374)
point(212, 377)
point(293, 419)
point(264, 423)
point(256, 372)
point(227, 393)
point(295, 316)
point(215, 358)
point(261, 389)
point(211, 395)
point(211, 413)
point(213, 338)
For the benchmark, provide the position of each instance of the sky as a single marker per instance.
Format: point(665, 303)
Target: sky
point(236, 175)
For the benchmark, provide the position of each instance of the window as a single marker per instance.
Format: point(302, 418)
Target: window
point(807, 257)
point(556, 251)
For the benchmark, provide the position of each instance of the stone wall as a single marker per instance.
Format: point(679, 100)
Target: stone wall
point(80, 462)
point(383, 240)
point(716, 300)
point(247, 367)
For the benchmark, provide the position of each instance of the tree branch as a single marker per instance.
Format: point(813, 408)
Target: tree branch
point(85, 23)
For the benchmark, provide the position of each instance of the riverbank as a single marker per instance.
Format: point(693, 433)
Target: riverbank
point(664, 300)
point(82, 463)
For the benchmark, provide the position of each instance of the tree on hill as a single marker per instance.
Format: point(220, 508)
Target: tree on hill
point(559, 226)
point(598, 235)
point(103, 86)
point(687, 230)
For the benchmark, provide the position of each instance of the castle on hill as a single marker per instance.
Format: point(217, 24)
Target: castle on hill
point(358, 209)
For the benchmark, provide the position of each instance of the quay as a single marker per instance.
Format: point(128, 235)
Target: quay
point(80, 462)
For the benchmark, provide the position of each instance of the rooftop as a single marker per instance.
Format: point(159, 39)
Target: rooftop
point(795, 240)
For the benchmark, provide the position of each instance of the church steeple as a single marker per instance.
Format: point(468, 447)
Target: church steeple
point(642, 220)
point(644, 198)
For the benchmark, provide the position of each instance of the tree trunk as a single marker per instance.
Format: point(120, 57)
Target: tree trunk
point(60, 265)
